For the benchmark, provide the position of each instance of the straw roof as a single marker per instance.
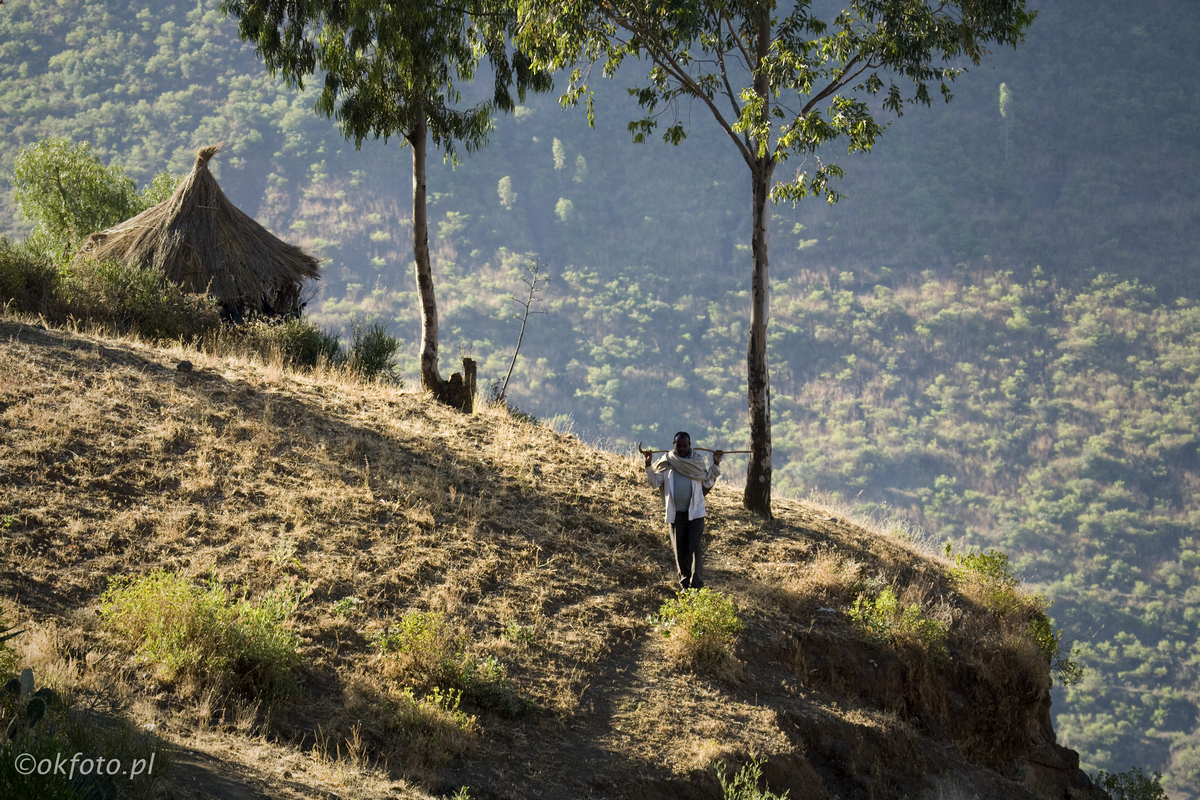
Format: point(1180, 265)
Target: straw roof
point(202, 241)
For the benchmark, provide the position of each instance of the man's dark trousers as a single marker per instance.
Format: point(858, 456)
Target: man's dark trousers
point(689, 553)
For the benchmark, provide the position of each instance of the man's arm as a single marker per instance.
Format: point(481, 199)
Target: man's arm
point(714, 471)
point(655, 479)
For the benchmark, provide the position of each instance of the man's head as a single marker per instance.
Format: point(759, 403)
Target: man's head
point(683, 444)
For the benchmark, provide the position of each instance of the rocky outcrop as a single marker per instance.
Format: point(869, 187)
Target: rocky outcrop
point(1051, 770)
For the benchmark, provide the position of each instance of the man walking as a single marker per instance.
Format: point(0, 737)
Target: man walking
point(684, 478)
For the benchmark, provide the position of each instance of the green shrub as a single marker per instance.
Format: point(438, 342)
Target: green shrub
point(989, 578)
point(105, 292)
point(426, 653)
point(206, 636)
point(1067, 670)
point(346, 606)
point(299, 342)
point(485, 681)
point(372, 351)
point(140, 300)
point(428, 650)
point(745, 784)
point(28, 281)
point(885, 619)
point(521, 635)
point(160, 188)
point(433, 726)
point(1132, 784)
point(992, 576)
point(701, 623)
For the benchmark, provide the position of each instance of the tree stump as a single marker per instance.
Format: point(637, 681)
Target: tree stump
point(459, 391)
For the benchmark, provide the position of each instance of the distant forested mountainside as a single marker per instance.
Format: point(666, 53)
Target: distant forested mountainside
point(996, 331)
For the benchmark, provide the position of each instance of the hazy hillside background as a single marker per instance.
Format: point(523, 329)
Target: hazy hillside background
point(996, 332)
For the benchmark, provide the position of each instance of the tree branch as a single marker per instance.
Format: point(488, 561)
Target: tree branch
point(835, 85)
point(660, 56)
point(737, 110)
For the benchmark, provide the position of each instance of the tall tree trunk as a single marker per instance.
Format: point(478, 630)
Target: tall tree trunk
point(431, 379)
point(459, 391)
point(757, 497)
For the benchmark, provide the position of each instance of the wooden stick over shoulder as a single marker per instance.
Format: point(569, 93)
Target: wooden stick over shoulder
point(644, 451)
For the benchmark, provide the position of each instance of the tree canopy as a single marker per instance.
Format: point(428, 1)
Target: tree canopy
point(66, 192)
point(390, 68)
point(395, 68)
point(780, 86)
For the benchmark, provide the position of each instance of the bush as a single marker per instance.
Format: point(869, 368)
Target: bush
point(66, 192)
point(1068, 671)
point(135, 299)
point(372, 351)
point(28, 281)
point(989, 579)
point(424, 729)
point(744, 785)
point(885, 619)
point(41, 729)
point(205, 636)
point(434, 723)
point(1132, 784)
point(520, 635)
point(427, 650)
point(700, 623)
point(427, 654)
point(298, 342)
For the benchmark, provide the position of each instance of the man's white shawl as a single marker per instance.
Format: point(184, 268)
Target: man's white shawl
point(693, 466)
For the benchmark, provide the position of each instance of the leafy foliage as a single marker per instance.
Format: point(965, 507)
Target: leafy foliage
point(703, 624)
point(131, 298)
point(389, 69)
point(1132, 784)
point(205, 635)
point(41, 726)
point(744, 785)
point(431, 728)
point(372, 351)
point(989, 578)
point(993, 574)
point(299, 342)
point(66, 193)
point(885, 619)
point(429, 655)
point(433, 650)
point(28, 279)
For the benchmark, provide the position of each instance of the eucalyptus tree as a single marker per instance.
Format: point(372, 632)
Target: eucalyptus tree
point(394, 68)
point(783, 81)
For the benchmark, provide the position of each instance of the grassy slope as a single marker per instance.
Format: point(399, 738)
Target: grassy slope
point(115, 463)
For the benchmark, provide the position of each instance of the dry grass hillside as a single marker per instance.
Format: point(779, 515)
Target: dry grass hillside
point(531, 563)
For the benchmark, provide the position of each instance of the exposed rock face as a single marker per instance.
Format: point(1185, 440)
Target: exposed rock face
point(1051, 770)
point(976, 726)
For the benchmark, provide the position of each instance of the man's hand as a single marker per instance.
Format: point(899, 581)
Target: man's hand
point(717, 456)
point(649, 456)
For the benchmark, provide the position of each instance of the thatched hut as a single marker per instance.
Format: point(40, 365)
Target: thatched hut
point(203, 242)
